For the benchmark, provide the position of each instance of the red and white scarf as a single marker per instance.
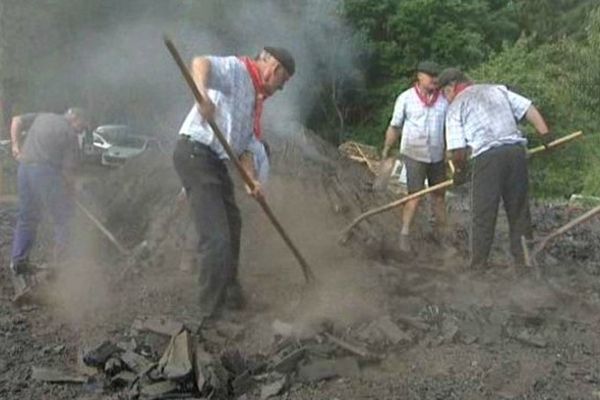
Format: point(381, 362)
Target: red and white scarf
point(259, 89)
point(427, 100)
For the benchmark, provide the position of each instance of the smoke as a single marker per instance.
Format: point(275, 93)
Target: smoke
point(113, 60)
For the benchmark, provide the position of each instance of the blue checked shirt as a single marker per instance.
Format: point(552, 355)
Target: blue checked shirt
point(422, 127)
point(485, 116)
point(232, 92)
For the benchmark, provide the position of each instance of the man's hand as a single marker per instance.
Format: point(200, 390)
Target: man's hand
point(460, 177)
point(207, 109)
point(16, 151)
point(547, 138)
point(256, 191)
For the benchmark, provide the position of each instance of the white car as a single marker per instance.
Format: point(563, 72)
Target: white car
point(112, 145)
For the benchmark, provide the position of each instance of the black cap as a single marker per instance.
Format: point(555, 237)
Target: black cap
point(284, 57)
point(452, 75)
point(429, 67)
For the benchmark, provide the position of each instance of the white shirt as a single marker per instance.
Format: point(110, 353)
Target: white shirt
point(422, 127)
point(232, 92)
point(485, 116)
point(261, 160)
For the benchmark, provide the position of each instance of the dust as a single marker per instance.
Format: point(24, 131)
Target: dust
point(79, 288)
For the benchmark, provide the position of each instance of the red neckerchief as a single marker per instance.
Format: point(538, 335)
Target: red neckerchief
point(426, 100)
point(460, 87)
point(259, 88)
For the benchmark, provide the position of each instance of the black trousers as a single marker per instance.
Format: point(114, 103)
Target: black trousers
point(216, 217)
point(499, 173)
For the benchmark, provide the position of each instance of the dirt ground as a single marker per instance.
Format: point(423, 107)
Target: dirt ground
point(500, 334)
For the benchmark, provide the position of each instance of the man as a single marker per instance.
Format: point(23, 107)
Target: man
point(482, 120)
point(418, 118)
point(234, 89)
point(47, 161)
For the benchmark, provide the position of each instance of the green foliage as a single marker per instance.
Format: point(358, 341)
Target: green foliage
point(563, 79)
point(402, 33)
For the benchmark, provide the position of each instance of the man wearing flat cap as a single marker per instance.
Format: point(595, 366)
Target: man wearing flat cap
point(235, 89)
point(418, 119)
point(482, 124)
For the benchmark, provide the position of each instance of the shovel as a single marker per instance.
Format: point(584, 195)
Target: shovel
point(345, 235)
point(532, 253)
point(306, 269)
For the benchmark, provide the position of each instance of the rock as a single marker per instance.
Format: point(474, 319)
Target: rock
point(324, 369)
point(123, 378)
point(113, 366)
point(160, 325)
point(286, 361)
point(272, 389)
point(97, 356)
point(242, 383)
point(282, 329)
point(158, 389)
point(135, 362)
point(176, 362)
point(449, 331)
point(56, 376)
point(531, 340)
point(211, 376)
point(391, 331)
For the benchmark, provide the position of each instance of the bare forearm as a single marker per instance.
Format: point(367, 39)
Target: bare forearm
point(201, 73)
point(391, 137)
point(247, 161)
point(16, 127)
point(534, 117)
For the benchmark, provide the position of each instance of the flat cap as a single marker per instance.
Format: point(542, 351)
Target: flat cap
point(284, 57)
point(429, 67)
point(451, 75)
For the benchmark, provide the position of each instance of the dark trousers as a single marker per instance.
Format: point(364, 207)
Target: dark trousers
point(216, 218)
point(499, 173)
point(41, 189)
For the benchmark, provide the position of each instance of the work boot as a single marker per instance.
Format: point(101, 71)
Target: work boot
point(234, 297)
point(405, 245)
point(20, 278)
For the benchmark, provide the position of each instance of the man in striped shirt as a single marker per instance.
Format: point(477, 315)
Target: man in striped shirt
point(481, 124)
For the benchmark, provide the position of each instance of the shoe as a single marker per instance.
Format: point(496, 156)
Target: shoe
point(405, 245)
point(234, 297)
point(20, 280)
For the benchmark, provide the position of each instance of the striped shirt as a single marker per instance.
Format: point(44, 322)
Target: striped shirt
point(485, 116)
point(422, 127)
point(232, 92)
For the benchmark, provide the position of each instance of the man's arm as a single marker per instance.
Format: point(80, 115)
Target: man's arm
point(201, 72)
point(247, 161)
point(391, 137)
point(16, 129)
point(534, 117)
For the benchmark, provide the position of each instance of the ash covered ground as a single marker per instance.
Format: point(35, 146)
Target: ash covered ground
point(388, 327)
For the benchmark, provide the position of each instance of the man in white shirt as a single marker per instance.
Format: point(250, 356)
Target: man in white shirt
point(418, 118)
point(481, 124)
point(235, 89)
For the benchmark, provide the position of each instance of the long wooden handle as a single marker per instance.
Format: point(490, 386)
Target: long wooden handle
point(103, 229)
point(566, 227)
point(306, 270)
point(440, 186)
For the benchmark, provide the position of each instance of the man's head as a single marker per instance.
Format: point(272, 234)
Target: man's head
point(427, 72)
point(277, 66)
point(78, 119)
point(450, 79)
